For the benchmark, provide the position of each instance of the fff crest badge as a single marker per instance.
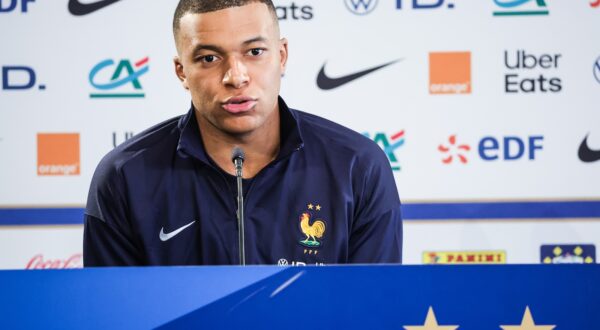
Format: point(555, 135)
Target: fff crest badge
point(311, 226)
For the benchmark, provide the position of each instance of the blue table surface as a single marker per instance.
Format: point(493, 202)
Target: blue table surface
point(330, 297)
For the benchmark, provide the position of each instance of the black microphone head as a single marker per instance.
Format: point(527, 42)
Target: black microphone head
point(237, 153)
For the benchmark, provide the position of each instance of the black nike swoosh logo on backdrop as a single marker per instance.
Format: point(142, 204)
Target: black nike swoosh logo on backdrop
point(79, 9)
point(326, 83)
point(586, 154)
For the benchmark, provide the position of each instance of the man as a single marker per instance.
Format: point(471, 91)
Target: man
point(315, 192)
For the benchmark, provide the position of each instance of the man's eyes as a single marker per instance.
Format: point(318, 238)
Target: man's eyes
point(256, 51)
point(208, 58)
point(213, 58)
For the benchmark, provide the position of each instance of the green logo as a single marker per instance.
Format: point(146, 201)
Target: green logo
point(124, 74)
point(389, 145)
point(521, 7)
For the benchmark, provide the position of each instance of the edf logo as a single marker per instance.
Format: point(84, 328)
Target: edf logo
point(509, 148)
point(7, 6)
point(19, 78)
point(424, 4)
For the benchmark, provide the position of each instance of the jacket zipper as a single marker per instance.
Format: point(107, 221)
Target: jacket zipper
point(258, 175)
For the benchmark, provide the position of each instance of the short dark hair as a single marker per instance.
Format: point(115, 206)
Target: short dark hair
point(206, 6)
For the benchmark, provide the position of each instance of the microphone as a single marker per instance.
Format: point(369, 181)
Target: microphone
point(237, 157)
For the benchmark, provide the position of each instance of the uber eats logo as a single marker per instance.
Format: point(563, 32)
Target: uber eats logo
point(294, 12)
point(531, 73)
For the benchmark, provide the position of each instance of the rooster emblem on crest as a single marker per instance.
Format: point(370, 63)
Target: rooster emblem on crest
point(312, 231)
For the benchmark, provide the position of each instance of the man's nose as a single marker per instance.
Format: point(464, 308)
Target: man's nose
point(237, 74)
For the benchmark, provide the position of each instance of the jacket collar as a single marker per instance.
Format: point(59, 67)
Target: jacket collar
point(190, 143)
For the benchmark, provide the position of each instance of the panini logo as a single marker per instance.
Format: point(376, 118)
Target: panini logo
point(464, 257)
point(450, 73)
point(58, 154)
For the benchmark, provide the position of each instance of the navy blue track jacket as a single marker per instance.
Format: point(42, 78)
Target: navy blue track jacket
point(328, 198)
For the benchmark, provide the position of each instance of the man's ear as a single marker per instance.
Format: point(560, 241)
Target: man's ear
point(180, 73)
point(283, 53)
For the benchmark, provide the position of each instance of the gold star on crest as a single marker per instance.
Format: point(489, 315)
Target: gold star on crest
point(527, 323)
point(310, 206)
point(430, 323)
point(318, 207)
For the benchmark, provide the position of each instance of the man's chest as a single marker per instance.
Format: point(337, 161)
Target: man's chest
point(287, 222)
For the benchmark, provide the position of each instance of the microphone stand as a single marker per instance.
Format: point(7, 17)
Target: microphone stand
point(238, 161)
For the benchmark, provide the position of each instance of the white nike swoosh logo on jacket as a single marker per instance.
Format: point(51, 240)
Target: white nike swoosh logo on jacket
point(167, 236)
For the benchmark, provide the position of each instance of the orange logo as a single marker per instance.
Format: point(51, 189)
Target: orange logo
point(58, 154)
point(450, 73)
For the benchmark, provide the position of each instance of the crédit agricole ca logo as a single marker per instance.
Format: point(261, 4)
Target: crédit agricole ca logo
point(121, 79)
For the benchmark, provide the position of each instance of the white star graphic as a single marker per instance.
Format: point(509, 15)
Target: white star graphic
point(430, 323)
point(527, 323)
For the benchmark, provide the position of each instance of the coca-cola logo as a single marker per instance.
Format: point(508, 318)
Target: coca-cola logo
point(38, 262)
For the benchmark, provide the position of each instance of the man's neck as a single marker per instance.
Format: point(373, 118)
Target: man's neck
point(260, 147)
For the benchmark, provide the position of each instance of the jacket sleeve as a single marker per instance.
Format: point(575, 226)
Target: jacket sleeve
point(108, 239)
point(104, 245)
point(376, 231)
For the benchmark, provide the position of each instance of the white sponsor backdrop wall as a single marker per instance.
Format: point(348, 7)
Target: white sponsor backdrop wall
point(515, 180)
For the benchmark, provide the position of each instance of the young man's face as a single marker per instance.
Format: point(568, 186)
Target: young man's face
point(232, 60)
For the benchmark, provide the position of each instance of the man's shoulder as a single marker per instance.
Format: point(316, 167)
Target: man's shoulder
point(128, 161)
point(160, 139)
point(334, 136)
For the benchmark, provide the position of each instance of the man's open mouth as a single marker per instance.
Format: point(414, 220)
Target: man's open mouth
point(239, 104)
